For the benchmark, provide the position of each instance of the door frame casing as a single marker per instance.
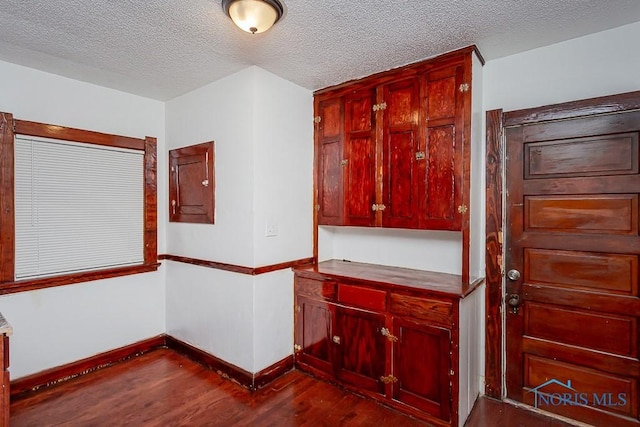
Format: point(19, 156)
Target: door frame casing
point(496, 122)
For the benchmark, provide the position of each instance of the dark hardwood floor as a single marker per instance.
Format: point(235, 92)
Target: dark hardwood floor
point(164, 388)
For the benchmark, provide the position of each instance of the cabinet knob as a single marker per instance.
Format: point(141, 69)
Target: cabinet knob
point(336, 339)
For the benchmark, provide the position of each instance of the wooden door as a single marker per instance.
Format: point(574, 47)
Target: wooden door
point(362, 348)
point(329, 167)
point(572, 249)
point(314, 334)
point(360, 158)
point(440, 184)
point(400, 146)
point(422, 363)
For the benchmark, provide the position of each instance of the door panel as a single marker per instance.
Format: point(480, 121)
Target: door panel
point(440, 182)
point(624, 400)
point(620, 337)
point(422, 365)
point(604, 214)
point(572, 216)
point(362, 348)
point(330, 154)
point(615, 273)
point(609, 155)
point(314, 333)
point(440, 193)
point(360, 191)
point(399, 189)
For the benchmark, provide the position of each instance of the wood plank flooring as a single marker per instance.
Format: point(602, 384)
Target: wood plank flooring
point(164, 388)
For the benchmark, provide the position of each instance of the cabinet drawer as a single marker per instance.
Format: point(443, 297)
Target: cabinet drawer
point(316, 288)
point(422, 308)
point(357, 296)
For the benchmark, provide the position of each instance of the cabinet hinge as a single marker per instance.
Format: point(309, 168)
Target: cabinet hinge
point(378, 207)
point(464, 87)
point(317, 119)
point(385, 333)
point(298, 309)
point(500, 264)
point(317, 208)
point(420, 155)
point(344, 162)
point(379, 107)
point(463, 209)
point(500, 237)
point(388, 379)
point(297, 347)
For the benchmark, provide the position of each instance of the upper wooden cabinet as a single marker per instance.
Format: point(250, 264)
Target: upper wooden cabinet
point(392, 149)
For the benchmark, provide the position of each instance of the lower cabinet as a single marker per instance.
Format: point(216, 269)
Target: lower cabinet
point(396, 343)
point(361, 349)
point(422, 365)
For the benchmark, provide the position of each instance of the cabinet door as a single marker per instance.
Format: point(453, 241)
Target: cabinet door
point(421, 363)
point(361, 350)
point(400, 146)
point(329, 157)
point(360, 147)
point(441, 175)
point(314, 333)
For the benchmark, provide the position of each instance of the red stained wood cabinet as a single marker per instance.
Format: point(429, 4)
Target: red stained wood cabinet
point(391, 333)
point(392, 149)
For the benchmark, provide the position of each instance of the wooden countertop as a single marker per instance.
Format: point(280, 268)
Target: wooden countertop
point(443, 284)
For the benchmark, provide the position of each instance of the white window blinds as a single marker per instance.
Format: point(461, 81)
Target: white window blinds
point(78, 207)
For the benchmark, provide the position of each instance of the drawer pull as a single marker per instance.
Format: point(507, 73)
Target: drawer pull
point(385, 333)
point(389, 379)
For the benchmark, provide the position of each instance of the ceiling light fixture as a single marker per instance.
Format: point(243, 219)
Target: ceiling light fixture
point(253, 16)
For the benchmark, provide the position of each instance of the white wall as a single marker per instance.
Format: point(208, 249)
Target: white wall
point(222, 111)
point(60, 325)
point(477, 197)
point(263, 130)
point(600, 64)
point(283, 169)
point(421, 249)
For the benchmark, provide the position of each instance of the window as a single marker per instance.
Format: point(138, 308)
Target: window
point(76, 205)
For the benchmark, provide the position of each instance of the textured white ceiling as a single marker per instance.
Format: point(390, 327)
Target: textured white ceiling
point(164, 48)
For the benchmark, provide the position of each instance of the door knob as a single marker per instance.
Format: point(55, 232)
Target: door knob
point(513, 301)
point(513, 275)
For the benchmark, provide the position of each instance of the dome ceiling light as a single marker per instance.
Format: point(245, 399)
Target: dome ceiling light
point(253, 16)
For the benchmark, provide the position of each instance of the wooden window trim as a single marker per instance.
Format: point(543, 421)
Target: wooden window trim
point(8, 129)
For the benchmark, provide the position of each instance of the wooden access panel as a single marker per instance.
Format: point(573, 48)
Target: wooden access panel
point(192, 184)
